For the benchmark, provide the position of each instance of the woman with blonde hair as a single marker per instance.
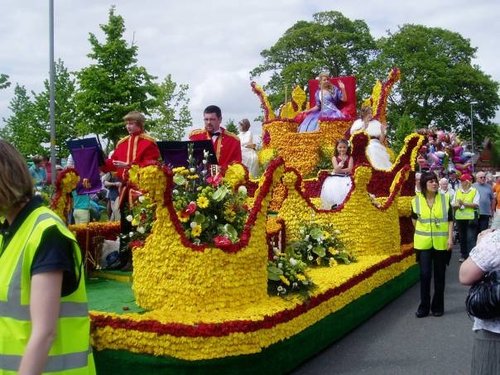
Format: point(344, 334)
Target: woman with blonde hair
point(44, 314)
point(327, 98)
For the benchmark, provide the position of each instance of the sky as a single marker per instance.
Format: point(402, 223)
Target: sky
point(213, 45)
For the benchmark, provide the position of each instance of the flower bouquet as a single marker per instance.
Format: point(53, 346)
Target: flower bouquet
point(212, 208)
point(321, 245)
point(286, 274)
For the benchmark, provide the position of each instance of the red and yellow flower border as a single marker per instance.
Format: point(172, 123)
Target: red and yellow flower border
point(224, 337)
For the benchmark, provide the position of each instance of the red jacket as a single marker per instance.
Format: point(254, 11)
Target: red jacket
point(227, 145)
point(140, 149)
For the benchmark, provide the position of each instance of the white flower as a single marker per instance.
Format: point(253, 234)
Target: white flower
point(280, 288)
point(193, 224)
point(295, 285)
point(205, 154)
point(141, 198)
point(175, 192)
point(204, 161)
point(280, 265)
point(276, 250)
point(141, 230)
point(310, 257)
point(131, 234)
point(306, 238)
point(293, 262)
point(242, 190)
point(192, 170)
point(129, 218)
point(215, 217)
point(309, 247)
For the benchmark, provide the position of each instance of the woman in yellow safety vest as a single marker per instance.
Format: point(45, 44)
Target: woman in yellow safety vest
point(432, 217)
point(44, 322)
point(466, 202)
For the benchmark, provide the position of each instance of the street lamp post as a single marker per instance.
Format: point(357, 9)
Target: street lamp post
point(472, 132)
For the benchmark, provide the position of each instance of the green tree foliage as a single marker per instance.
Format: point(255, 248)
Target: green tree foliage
point(21, 128)
point(65, 109)
point(4, 81)
point(231, 126)
point(438, 80)
point(171, 116)
point(397, 135)
point(331, 42)
point(114, 84)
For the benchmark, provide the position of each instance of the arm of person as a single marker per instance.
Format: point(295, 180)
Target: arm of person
point(469, 272)
point(44, 311)
point(336, 166)
point(342, 90)
point(350, 165)
point(450, 235)
point(475, 201)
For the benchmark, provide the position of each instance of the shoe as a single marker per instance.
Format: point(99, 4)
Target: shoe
point(437, 313)
point(461, 259)
point(421, 313)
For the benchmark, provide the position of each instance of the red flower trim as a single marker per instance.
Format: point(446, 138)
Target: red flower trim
point(241, 326)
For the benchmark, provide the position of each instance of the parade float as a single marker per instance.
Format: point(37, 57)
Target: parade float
point(191, 307)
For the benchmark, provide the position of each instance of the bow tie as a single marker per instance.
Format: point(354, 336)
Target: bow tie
point(215, 134)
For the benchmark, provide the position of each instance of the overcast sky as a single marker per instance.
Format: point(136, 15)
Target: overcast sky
point(212, 45)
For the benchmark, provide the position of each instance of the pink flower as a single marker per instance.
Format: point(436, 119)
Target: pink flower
point(190, 208)
point(215, 180)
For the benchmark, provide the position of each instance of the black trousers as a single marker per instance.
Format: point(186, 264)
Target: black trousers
point(432, 262)
point(483, 223)
point(467, 233)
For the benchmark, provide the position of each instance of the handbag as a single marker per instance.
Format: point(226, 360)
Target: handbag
point(483, 300)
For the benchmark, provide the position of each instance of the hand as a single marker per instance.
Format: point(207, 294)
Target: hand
point(341, 85)
point(120, 164)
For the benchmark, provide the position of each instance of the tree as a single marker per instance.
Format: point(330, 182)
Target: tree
point(330, 42)
point(231, 126)
point(170, 117)
point(114, 85)
point(21, 128)
point(438, 80)
point(65, 109)
point(4, 81)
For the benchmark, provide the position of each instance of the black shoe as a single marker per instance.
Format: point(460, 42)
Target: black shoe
point(437, 313)
point(421, 313)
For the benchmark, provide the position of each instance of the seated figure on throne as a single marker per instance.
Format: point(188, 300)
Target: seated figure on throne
point(327, 102)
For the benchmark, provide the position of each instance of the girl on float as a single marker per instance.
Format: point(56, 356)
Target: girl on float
point(336, 187)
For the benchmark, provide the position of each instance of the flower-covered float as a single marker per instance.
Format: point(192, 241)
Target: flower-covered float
point(199, 308)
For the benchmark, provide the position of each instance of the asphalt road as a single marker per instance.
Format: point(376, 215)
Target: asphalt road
point(394, 341)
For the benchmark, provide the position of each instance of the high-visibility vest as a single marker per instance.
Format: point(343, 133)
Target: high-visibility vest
point(70, 352)
point(468, 212)
point(431, 230)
